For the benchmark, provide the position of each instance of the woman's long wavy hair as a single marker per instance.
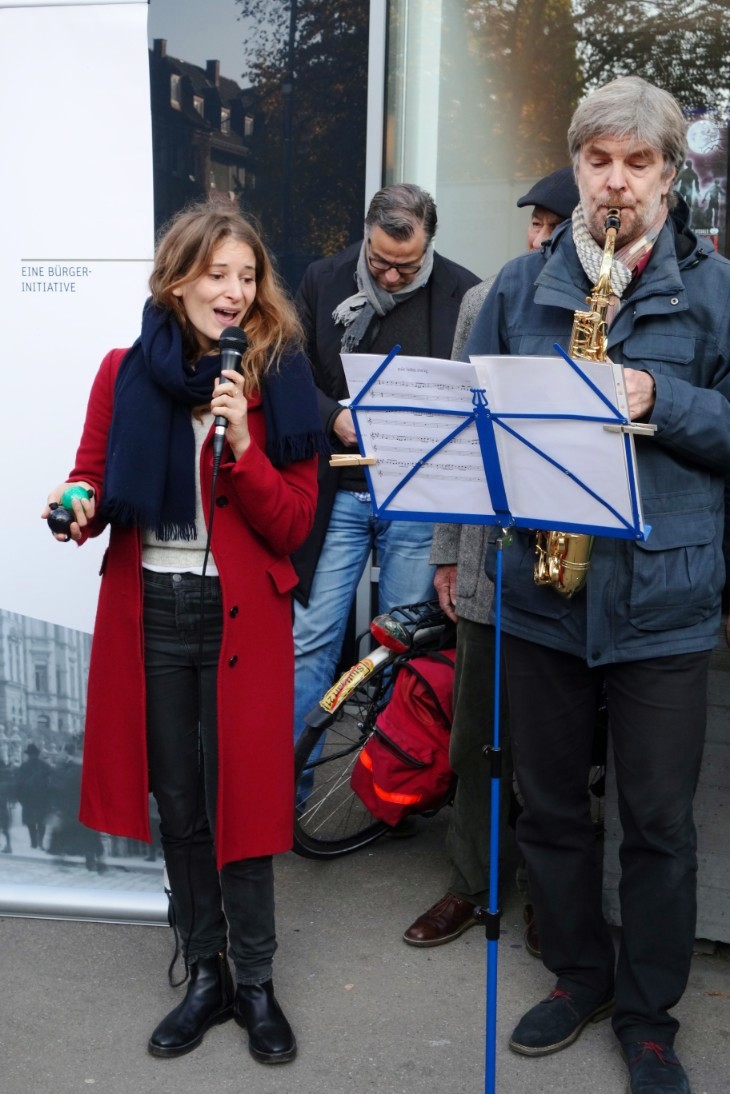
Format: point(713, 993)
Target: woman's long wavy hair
point(184, 252)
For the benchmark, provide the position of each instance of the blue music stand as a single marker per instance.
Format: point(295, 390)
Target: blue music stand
point(500, 427)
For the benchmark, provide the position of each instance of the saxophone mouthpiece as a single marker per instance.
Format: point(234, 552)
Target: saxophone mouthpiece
point(613, 219)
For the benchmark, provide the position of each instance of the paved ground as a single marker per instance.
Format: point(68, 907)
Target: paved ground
point(371, 1014)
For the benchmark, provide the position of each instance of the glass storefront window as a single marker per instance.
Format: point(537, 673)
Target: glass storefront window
point(480, 94)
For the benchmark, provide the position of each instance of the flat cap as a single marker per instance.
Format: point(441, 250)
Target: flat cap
point(556, 192)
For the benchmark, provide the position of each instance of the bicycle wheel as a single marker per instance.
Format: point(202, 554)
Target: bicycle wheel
point(330, 819)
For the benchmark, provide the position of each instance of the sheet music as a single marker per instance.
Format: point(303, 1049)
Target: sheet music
point(549, 385)
point(560, 468)
point(454, 477)
point(414, 381)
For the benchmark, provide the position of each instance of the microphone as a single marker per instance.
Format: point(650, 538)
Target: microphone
point(233, 343)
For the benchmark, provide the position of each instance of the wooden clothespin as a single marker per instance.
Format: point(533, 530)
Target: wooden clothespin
point(347, 459)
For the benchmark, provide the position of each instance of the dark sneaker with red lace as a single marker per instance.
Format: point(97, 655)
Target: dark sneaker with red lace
point(556, 1022)
point(654, 1069)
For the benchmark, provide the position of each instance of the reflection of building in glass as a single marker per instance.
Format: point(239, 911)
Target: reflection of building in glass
point(202, 125)
point(43, 673)
point(289, 146)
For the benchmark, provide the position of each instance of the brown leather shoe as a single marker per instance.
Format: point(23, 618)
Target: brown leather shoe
point(447, 919)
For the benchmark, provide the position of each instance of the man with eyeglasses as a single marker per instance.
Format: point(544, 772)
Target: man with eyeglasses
point(391, 288)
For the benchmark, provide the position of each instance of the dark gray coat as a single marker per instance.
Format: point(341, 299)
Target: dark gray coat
point(464, 545)
point(660, 597)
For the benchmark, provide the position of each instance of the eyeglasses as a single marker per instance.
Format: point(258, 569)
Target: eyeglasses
point(381, 266)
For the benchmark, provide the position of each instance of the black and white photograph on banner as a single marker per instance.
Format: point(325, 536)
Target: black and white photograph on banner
point(51, 861)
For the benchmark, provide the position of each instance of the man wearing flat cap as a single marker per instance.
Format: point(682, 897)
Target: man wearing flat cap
point(460, 550)
point(553, 199)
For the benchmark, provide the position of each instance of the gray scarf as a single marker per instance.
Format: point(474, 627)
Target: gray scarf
point(356, 312)
point(625, 259)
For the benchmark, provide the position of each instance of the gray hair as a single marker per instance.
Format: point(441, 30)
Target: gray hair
point(400, 209)
point(631, 107)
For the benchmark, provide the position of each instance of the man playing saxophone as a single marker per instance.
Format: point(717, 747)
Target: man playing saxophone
point(648, 614)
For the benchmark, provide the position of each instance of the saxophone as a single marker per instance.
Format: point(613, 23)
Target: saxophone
point(563, 558)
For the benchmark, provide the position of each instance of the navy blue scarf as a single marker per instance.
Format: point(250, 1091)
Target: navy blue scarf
point(149, 481)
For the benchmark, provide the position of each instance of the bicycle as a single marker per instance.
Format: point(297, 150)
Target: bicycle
point(330, 819)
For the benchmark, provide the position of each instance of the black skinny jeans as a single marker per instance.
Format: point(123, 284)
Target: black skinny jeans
point(181, 688)
point(657, 713)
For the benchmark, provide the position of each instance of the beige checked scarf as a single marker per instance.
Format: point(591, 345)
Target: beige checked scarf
point(625, 260)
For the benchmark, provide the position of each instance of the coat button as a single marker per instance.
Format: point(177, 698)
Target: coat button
point(233, 612)
point(233, 661)
point(674, 300)
point(222, 501)
point(595, 654)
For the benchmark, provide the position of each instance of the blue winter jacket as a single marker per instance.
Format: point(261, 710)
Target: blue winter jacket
point(662, 596)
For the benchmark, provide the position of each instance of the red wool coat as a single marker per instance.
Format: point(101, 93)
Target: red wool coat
point(262, 514)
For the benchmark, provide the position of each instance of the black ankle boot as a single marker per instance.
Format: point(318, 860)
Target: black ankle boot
point(208, 1001)
point(270, 1037)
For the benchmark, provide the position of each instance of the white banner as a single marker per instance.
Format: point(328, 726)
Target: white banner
point(77, 241)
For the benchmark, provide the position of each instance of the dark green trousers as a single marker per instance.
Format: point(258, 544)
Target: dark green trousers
point(467, 840)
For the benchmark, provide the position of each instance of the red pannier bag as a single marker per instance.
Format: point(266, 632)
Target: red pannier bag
point(404, 767)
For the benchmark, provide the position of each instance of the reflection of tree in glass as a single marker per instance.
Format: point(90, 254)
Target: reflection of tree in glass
point(512, 71)
point(680, 45)
point(525, 80)
point(307, 62)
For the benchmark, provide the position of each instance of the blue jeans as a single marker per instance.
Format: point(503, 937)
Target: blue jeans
point(236, 905)
point(406, 576)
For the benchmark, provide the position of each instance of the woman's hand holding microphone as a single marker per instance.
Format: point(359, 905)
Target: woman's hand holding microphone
point(230, 403)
